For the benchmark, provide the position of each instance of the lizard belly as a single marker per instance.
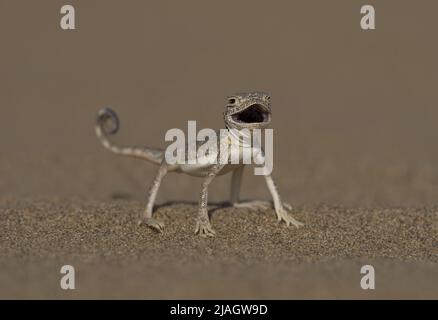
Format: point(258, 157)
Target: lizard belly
point(197, 170)
point(202, 167)
point(228, 168)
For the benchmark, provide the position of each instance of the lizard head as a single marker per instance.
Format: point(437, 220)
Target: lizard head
point(248, 111)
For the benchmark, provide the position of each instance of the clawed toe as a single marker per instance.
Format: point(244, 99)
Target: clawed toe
point(204, 230)
point(289, 220)
point(283, 215)
point(154, 224)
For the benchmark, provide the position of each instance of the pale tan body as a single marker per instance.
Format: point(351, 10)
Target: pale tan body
point(207, 171)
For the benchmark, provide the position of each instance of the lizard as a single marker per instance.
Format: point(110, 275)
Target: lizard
point(243, 111)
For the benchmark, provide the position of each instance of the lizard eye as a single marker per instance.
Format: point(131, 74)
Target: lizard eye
point(231, 101)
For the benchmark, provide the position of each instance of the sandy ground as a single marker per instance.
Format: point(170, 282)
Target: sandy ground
point(355, 152)
point(251, 257)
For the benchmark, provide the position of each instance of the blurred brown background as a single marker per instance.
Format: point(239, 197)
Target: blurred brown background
point(354, 110)
point(354, 118)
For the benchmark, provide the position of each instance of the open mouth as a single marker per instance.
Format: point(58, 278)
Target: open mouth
point(253, 114)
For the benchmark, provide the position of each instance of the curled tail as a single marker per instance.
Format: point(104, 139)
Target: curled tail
point(103, 131)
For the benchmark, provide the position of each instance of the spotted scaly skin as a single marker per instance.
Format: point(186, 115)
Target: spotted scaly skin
point(243, 111)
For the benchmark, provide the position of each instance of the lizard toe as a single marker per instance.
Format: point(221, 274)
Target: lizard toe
point(154, 224)
point(205, 230)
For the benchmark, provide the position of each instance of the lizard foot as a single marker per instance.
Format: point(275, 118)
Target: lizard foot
point(257, 204)
point(152, 223)
point(204, 229)
point(253, 204)
point(284, 215)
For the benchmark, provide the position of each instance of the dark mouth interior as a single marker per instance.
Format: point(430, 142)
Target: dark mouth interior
point(252, 114)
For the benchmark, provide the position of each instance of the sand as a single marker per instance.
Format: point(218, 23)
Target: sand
point(252, 256)
point(355, 152)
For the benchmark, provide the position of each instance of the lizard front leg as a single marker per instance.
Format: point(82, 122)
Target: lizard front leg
point(147, 215)
point(280, 210)
point(203, 226)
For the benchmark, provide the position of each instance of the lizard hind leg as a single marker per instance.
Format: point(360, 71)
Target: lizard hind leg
point(259, 204)
point(236, 182)
point(254, 205)
point(147, 219)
